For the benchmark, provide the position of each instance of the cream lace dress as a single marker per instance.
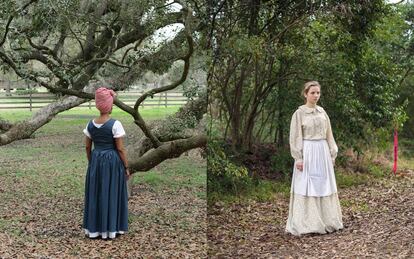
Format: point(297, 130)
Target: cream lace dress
point(314, 205)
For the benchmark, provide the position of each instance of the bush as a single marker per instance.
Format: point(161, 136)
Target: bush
point(224, 176)
point(25, 91)
point(282, 162)
point(230, 180)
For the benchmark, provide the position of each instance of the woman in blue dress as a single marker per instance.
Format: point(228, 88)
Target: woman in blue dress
point(106, 197)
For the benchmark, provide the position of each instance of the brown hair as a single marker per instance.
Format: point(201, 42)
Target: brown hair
point(308, 85)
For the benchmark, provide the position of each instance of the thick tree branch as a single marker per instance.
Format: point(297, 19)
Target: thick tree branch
point(60, 42)
point(5, 125)
point(26, 128)
point(6, 31)
point(44, 49)
point(33, 76)
point(90, 37)
point(167, 150)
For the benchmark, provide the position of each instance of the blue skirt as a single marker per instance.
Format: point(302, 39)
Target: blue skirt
point(106, 196)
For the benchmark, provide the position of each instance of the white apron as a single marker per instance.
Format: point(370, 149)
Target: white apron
point(317, 178)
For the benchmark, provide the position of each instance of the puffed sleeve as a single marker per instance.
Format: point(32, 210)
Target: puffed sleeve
point(117, 130)
point(295, 137)
point(333, 148)
point(86, 132)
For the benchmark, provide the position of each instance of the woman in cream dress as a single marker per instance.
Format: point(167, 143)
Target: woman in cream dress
point(314, 205)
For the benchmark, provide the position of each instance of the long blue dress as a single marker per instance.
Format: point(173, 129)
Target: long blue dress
point(106, 197)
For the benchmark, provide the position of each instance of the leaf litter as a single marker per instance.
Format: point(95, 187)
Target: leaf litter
point(378, 223)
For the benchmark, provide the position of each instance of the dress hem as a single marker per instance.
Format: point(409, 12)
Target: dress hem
point(104, 235)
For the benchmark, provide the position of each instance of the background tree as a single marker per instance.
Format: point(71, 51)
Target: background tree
point(264, 51)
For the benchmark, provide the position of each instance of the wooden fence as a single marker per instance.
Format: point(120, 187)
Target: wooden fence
point(39, 100)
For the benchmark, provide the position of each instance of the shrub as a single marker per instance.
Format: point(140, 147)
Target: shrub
point(223, 175)
point(26, 91)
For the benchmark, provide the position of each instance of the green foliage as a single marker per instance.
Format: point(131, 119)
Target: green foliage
point(26, 91)
point(223, 175)
point(282, 162)
point(406, 147)
point(229, 181)
point(346, 179)
point(377, 171)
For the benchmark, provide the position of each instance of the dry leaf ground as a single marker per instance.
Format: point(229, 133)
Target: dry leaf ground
point(41, 195)
point(378, 218)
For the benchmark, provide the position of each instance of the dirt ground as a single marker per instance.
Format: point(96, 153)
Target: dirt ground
point(378, 223)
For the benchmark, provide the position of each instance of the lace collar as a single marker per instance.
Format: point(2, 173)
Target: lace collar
point(307, 109)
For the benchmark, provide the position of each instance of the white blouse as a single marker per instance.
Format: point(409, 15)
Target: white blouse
point(117, 129)
point(312, 124)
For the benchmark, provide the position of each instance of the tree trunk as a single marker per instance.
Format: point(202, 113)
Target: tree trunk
point(8, 88)
point(280, 117)
point(235, 114)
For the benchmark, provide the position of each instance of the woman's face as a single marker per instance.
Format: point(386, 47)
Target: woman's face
point(312, 97)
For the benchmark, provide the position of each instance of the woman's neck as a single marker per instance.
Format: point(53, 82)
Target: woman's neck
point(311, 105)
point(104, 117)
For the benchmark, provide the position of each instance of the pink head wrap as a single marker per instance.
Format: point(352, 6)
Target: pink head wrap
point(104, 98)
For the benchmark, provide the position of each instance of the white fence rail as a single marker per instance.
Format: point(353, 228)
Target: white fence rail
point(39, 100)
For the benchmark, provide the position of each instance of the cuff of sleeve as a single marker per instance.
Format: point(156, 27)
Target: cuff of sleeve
point(300, 160)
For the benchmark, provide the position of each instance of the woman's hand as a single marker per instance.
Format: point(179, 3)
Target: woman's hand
point(127, 173)
point(299, 166)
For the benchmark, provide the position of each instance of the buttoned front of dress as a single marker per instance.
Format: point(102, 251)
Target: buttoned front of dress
point(310, 124)
point(314, 123)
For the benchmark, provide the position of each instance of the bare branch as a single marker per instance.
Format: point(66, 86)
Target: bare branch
point(6, 31)
point(82, 53)
point(397, 3)
point(131, 48)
